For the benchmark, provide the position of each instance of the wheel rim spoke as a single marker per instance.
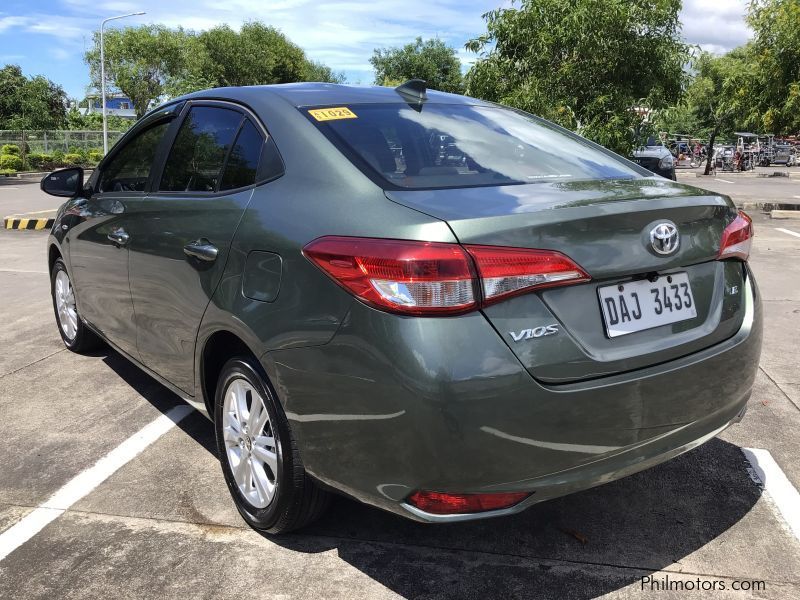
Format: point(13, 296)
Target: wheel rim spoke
point(265, 454)
point(263, 487)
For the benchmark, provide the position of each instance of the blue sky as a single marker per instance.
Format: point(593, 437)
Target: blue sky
point(49, 38)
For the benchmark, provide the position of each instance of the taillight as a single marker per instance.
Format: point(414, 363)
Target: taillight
point(505, 272)
point(433, 278)
point(441, 503)
point(402, 276)
point(737, 238)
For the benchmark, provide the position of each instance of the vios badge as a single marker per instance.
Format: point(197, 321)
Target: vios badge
point(664, 238)
point(536, 332)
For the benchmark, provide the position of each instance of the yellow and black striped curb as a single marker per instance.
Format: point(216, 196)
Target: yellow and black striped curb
point(22, 222)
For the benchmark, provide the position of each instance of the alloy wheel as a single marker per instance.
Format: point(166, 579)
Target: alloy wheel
point(65, 306)
point(250, 444)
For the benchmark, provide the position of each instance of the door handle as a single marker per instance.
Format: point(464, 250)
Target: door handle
point(119, 236)
point(201, 249)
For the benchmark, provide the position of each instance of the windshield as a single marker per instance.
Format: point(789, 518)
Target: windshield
point(445, 145)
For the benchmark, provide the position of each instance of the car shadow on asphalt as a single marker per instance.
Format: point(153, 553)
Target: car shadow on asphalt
point(580, 546)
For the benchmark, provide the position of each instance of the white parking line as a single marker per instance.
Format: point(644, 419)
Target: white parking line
point(777, 485)
point(787, 231)
point(722, 180)
point(83, 483)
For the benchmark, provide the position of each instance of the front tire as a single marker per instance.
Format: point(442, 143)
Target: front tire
point(76, 336)
point(258, 454)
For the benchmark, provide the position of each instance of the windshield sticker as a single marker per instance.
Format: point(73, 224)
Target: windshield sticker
point(332, 114)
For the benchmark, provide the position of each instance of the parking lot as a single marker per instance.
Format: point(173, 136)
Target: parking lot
point(163, 525)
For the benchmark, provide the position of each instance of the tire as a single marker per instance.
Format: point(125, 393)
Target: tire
point(75, 334)
point(268, 456)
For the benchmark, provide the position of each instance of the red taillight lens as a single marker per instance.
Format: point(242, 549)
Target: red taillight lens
point(400, 276)
point(440, 503)
point(737, 238)
point(432, 278)
point(508, 271)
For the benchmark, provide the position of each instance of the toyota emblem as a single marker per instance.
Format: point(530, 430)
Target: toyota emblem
point(664, 238)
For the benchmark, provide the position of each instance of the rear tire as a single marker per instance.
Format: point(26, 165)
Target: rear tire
point(76, 336)
point(259, 456)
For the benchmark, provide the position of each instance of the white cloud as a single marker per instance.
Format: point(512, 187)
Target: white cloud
point(715, 25)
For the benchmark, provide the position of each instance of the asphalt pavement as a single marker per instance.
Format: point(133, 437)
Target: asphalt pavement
point(161, 523)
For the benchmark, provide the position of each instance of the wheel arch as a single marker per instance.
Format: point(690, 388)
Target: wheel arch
point(217, 348)
point(53, 254)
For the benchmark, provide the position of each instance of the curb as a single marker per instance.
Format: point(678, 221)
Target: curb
point(28, 223)
point(748, 175)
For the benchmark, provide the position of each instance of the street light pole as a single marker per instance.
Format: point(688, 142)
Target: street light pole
point(103, 75)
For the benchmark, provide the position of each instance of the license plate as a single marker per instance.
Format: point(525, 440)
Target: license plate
point(638, 305)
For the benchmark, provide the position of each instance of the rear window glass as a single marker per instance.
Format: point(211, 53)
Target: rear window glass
point(198, 153)
point(240, 170)
point(444, 145)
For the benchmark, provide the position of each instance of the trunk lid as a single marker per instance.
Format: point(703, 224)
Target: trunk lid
point(604, 226)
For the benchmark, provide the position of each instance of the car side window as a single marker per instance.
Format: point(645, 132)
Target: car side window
point(198, 154)
point(242, 165)
point(129, 169)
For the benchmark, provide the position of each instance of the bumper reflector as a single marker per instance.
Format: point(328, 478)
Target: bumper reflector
point(441, 503)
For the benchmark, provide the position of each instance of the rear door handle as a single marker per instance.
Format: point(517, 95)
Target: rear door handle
point(119, 236)
point(201, 249)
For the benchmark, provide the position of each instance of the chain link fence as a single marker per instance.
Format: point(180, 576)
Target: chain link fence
point(47, 142)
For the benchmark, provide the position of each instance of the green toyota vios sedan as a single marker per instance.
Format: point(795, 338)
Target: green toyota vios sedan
point(433, 304)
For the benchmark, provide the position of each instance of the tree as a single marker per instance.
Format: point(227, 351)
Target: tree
point(316, 71)
point(255, 55)
point(139, 61)
point(585, 64)
point(150, 62)
point(431, 60)
point(776, 43)
point(30, 103)
point(719, 95)
point(94, 121)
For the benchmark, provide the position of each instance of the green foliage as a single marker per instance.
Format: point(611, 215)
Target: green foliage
point(94, 121)
point(30, 102)
point(776, 48)
point(316, 71)
point(138, 61)
point(94, 156)
point(257, 54)
point(584, 64)
point(431, 60)
point(7, 172)
point(38, 160)
point(149, 62)
point(10, 149)
point(10, 161)
point(73, 158)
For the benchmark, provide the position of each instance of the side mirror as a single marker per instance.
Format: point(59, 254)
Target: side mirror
point(67, 183)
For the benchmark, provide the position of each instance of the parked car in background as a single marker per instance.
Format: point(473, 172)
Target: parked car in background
point(432, 304)
point(657, 159)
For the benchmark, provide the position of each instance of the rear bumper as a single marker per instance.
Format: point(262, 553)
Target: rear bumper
point(392, 405)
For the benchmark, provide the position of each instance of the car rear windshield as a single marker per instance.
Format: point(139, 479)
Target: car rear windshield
point(454, 145)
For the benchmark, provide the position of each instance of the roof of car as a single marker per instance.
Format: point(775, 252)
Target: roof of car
point(321, 94)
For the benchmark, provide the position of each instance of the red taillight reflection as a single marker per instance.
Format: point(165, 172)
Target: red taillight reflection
point(737, 238)
point(441, 503)
point(432, 278)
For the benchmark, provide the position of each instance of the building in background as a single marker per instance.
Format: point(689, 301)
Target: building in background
point(117, 105)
